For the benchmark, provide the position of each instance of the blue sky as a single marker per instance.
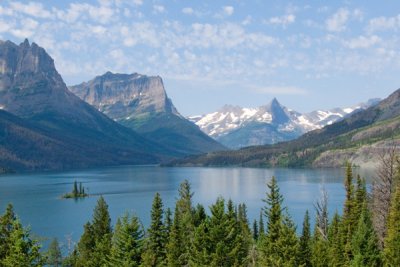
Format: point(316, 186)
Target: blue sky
point(308, 54)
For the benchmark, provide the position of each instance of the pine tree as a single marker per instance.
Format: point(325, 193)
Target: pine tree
point(305, 242)
point(155, 251)
point(83, 254)
point(336, 249)
point(54, 256)
point(261, 228)
point(279, 246)
point(94, 247)
point(201, 246)
point(199, 215)
point(6, 226)
point(127, 242)
point(392, 241)
point(365, 242)
point(178, 248)
point(255, 230)
point(23, 251)
point(168, 222)
point(75, 190)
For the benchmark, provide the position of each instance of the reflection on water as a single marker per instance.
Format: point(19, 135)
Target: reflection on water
point(36, 197)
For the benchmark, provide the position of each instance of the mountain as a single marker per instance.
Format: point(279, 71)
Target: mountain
point(32, 90)
point(141, 103)
point(237, 127)
point(359, 138)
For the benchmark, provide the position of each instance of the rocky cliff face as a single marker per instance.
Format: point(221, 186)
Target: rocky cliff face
point(125, 96)
point(140, 102)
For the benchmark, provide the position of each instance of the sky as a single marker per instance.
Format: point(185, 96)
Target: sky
point(308, 54)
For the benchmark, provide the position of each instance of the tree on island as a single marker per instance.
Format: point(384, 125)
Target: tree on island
point(77, 191)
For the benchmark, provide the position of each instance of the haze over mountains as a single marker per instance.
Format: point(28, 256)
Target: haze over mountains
point(237, 127)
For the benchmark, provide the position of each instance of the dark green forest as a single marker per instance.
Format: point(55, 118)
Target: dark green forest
point(365, 233)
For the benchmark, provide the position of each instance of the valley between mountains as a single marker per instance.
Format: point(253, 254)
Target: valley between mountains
point(117, 119)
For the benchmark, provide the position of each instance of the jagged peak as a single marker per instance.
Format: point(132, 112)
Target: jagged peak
point(25, 43)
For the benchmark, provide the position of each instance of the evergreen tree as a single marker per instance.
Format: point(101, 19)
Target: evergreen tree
point(6, 227)
point(182, 230)
point(305, 242)
point(83, 254)
point(261, 228)
point(95, 244)
point(392, 241)
point(364, 242)
point(336, 249)
point(279, 246)
point(54, 256)
point(155, 251)
point(199, 215)
point(168, 222)
point(127, 242)
point(75, 190)
point(255, 230)
point(201, 246)
point(23, 251)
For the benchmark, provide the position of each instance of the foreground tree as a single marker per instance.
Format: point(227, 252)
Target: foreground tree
point(279, 246)
point(54, 255)
point(155, 247)
point(23, 251)
point(127, 242)
point(382, 190)
point(181, 235)
point(305, 242)
point(392, 240)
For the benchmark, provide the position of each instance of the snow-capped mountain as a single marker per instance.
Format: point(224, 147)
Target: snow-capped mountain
point(236, 127)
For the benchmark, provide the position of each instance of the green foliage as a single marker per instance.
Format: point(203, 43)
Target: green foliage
point(127, 242)
point(77, 192)
point(53, 254)
point(280, 245)
point(392, 241)
point(178, 248)
point(305, 242)
point(94, 247)
point(6, 227)
point(155, 248)
point(364, 242)
point(23, 251)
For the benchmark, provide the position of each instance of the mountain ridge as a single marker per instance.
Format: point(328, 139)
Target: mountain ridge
point(141, 103)
point(33, 90)
point(238, 127)
point(358, 138)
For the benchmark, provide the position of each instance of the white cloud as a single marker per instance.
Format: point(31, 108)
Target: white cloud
point(283, 20)
point(138, 2)
point(157, 9)
point(384, 23)
point(33, 9)
point(187, 10)
point(337, 22)
point(363, 42)
point(228, 10)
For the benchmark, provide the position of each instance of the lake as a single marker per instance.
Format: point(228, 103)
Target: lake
point(37, 202)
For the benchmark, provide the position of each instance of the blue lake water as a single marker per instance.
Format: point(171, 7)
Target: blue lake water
point(36, 196)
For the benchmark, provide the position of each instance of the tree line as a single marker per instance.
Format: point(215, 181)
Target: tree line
point(191, 236)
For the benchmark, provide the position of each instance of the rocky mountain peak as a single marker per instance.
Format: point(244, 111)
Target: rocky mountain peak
point(277, 111)
point(123, 96)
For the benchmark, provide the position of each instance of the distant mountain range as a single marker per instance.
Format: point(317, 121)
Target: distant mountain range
point(141, 103)
point(359, 138)
point(44, 126)
point(237, 127)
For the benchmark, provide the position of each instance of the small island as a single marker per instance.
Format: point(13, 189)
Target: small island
point(77, 192)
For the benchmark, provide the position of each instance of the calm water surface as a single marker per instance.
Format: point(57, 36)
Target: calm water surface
point(36, 197)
